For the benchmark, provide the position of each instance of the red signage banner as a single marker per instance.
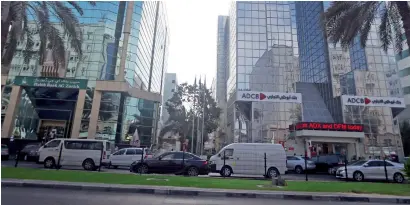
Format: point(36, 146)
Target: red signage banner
point(327, 126)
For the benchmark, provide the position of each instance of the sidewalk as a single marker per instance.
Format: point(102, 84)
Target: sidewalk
point(190, 191)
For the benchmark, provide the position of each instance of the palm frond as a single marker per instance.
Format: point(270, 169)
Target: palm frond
point(71, 24)
point(395, 20)
point(346, 20)
point(76, 6)
point(385, 32)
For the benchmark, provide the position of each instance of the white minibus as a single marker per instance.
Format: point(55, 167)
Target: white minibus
point(75, 152)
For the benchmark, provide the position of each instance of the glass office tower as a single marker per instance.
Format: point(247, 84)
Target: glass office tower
point(355, 72)
point(281, 47)
point(263, 57)
point(119, 82)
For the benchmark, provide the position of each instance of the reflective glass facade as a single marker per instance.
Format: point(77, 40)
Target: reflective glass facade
point(281, 47)
point(102, 28)
point(263, 56)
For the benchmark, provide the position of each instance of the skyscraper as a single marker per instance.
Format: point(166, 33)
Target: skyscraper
point(113, 91)
point(278, 50)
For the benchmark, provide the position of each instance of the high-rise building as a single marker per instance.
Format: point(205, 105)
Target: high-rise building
point(170, 86)
point(278, 51)
point(113, 91)
point(403, 63)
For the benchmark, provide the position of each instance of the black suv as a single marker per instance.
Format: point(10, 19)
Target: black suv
point(328, 163)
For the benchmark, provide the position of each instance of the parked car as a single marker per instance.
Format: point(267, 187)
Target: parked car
point(297, 164)
point(4, 152)
point(30, 152)
point(250, 159)
point(372, 169)
point(172, 163)
point(328, 163)
point(125, 157)
point(77, 152)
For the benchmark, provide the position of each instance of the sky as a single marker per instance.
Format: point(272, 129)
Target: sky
point(193, 36)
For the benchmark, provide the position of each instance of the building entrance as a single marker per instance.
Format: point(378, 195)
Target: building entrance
point(44, 113)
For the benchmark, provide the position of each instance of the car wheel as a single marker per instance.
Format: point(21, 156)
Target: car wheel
point(226, 171)
point(272, 172)
point(142, 169)
point(89, 165)
point(398, 178)
point(193, 171)
point(49, 163)
point(358, 176)
point(298, 169)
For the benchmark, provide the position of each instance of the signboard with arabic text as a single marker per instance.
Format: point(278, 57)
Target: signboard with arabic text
point(258, 96)
point(46, 82)
point(373, 101)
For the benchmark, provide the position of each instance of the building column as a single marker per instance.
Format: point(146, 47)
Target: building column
point(95, 109)
point(8, 123)
point(78, 114)
point(127, 32)
point(358, 154)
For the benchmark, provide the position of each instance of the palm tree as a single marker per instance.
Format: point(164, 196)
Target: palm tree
point(15, 28)
point(345, 20)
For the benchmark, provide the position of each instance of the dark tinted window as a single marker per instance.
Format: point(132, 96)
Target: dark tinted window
point(167, 156)
point(138, 151)
point(120, 152)
point(53, 143)
point(130, 152)
point(292, 158)
point(375, 164)
point(227, 153)
point(178, 155)
point(84, 145)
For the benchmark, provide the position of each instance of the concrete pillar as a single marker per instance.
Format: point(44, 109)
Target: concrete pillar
point(307, 142)
point(78, 113)
point(95, 109)
point(358, 154)
point(8, 124)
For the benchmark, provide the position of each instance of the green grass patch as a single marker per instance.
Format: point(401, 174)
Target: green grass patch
point(201, 182)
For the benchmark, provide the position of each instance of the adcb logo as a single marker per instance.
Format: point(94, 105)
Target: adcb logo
point(359, 100)
point(254, 96)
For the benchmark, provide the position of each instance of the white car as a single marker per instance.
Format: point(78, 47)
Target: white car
point(297, 164)
point(126, 156)
point(372, 169)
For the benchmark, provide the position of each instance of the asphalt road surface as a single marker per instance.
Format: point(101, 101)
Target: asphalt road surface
point(125, 170)
point(31, 196)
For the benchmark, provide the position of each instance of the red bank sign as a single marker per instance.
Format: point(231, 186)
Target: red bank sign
point(328, 126)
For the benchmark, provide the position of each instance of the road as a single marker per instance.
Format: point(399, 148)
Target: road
point(124, 170)
point(34, 196)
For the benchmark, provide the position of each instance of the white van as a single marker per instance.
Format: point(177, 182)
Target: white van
point(249, 159)
point(75, 152)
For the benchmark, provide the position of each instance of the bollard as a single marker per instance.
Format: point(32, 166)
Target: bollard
point(266, 174)
point(385, 170)
point(306, 173)
point(224, 163)
point(142, 159)
point(347, 178)
point(59, 156)
point(17, 157)
point(101, 156)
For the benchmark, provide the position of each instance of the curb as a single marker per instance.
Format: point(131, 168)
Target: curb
point(182, 191)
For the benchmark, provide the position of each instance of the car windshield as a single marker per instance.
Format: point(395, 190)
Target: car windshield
point(357, 163)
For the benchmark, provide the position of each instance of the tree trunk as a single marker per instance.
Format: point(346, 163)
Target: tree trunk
point(5, 23)
point(404, 11)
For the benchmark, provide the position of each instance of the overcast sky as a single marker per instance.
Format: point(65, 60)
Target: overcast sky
point(193, 35)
